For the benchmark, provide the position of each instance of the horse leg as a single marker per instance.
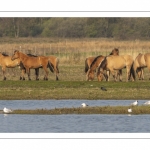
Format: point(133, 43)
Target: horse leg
point(28, 73)
point(113, 74)
point(37, 73)
point(46, 73)
point(22, 74)
point(142, 73)
point(119, 73)
point(4, 69)
point(128, 73)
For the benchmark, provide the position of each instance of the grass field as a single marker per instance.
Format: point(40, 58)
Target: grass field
point(72, 82)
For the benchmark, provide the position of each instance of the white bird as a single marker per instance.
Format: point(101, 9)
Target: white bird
point(129, 110)
point(84, 105)
point(147, 103)
point(134, 103)
point(6, 110)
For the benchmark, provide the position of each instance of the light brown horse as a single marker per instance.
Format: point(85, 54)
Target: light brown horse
point(6, 62)
point(54, 62)
point(88, 62)
point(95, 63)
point(141, 61)
point(32, 62)
point(112, 63)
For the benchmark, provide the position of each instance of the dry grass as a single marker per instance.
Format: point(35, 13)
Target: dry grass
point(71, 52)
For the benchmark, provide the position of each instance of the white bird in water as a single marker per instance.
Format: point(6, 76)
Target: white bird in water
point(129, 110)
point(84, 105)
point(147, 103)
point(6, 110)
point(134, 103)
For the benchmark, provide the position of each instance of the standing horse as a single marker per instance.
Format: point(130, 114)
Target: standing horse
point(6, 62)
point(54, 62)
point(141, 61)
point(112, 63)
point(95, 63)
point(32, 62)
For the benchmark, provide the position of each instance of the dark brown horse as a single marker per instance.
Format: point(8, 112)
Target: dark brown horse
point(95, 63)
point(141, 61)
point(6, 62)
point(112, 63)
point(32, 62)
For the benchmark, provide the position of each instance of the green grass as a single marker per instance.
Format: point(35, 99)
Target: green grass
point(22, 90)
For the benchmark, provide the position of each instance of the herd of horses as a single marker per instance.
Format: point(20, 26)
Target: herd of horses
point(114, 63)
point(102, 65)
point(27, 62)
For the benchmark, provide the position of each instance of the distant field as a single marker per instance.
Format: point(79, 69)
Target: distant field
point(71, 52)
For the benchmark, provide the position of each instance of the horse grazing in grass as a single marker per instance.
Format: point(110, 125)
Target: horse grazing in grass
point(88, 62)
point(95, 63)
point(141, 61)
point(32, 62)
point(112, 63)
point(54, 62)
point(6, 62)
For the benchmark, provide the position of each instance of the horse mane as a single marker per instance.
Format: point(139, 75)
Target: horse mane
point(116, 49)
point(93, 62)
point(102, 65)
point(31, 55)
point(4, 54)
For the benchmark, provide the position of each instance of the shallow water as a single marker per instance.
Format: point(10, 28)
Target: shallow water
point(99, 123)
point(50, 104)
point(74, 123)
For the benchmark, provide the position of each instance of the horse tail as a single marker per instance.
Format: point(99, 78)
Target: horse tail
point(86, 66)
point(57, 63)
point(132, 72)
point(51, 67)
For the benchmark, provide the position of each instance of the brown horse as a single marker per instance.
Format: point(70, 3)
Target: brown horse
point(32, 62)
point(141, 61)
point(54, 62)
point(88, 62)
point(6, 62)
point(112, 63)
point(95, 63)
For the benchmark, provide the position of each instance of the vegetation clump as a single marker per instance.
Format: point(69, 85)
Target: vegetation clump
point(88, 110)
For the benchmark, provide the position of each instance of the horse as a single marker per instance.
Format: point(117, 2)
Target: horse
point(95, 63)
point(32, 62)
point(112, 63)
point(6, 62)
point(54, 62)
point(141, 61)
point(88, 62)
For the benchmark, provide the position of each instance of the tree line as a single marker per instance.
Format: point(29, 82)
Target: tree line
point(76, 27)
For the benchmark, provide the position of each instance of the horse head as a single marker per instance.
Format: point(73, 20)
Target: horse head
point(90, 75)
point(115, 51)
point(15, 55)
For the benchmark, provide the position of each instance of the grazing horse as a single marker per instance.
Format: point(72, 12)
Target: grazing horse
point(95, 63)
point(54, 62)
point(112, 63)
point(141, 61)
point(32, 62)
point(6, 62)
point(88, 62)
